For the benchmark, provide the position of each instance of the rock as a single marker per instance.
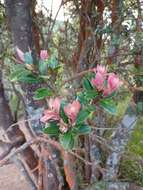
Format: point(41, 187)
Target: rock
point(113, 186)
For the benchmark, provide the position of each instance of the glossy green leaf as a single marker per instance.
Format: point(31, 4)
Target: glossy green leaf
point(43, 67)
point(91, 94)
point(67, 140)
point(51, 129)
point(28, 58)
point(17, 71)
point(140, 107)
point(42, 93)
point(82, 98)
point(108, 106)
point(91, 108)
point(52, 62)
point(86, 84)
point(82, 129)
point(62, 113)
point(82, 116)
point(29, 79)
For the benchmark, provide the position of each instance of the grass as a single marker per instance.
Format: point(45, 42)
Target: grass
point(131, 167)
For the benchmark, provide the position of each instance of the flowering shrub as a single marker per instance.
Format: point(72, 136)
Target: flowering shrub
point(105, 82)
point(67, 120)
point(53, 112)
point(43, 55)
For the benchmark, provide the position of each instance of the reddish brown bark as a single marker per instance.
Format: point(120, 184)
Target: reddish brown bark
point(138, 57)
point(100, 9)
point(115, 17)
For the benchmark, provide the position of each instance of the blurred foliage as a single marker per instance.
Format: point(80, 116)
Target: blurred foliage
point(131, 167)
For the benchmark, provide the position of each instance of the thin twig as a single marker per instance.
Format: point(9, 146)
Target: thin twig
point(40, 169)
point(81, 74)
point(30, 174)
point(54, 21)
point(16, 151)
point(19, 122)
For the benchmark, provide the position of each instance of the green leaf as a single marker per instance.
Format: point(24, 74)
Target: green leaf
point(140, 107)
point(108, 106)
point(52, 62)
point(91, 108)
point(21, 74)
point(82, 129)
point(62, 113)
point(28, 58)
point(82, 116)
point(67, 140)
point(43, 67)
point(82, 98)
point(42, 93)
point(91, 94)
point(51, 129)
point(86, 84)
point(17, 71)
point(30, 79)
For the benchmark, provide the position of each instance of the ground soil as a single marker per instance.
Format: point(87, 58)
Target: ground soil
point(11, 178)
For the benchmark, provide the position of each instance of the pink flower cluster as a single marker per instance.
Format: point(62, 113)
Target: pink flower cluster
point(20, 53)
point(102, 77)
point(71, 110)
point(44, 55)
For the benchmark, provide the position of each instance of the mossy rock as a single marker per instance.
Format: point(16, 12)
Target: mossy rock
point(113, 186)
point(131, 167)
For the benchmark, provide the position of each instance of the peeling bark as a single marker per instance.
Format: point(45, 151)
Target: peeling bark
point(20, 21)
point(120, 138)
point(116, 16)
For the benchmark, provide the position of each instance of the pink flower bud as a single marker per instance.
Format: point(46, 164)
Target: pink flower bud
point(98, 82)
point(54, 104)
point(49, 115)
point(44, 55)
point(113, 83)
point(101, 69)
point(20, 54)
point(72, 110)
point(53, 112)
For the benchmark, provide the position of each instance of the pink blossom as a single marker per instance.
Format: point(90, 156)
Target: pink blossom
point(44, 55)
point(101, 69)
point(20, 54)
point(113, 83)
point(53, 112)
point(98, 82)
point(49, 115)
point(106, 92)
point(54, 104)
point(71, 110)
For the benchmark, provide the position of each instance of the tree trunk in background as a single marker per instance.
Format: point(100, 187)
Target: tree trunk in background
point(20, 21)
point(13, 138)
point(139, 52)
point(116, 17)
point(119, 141)
point(90, 41)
